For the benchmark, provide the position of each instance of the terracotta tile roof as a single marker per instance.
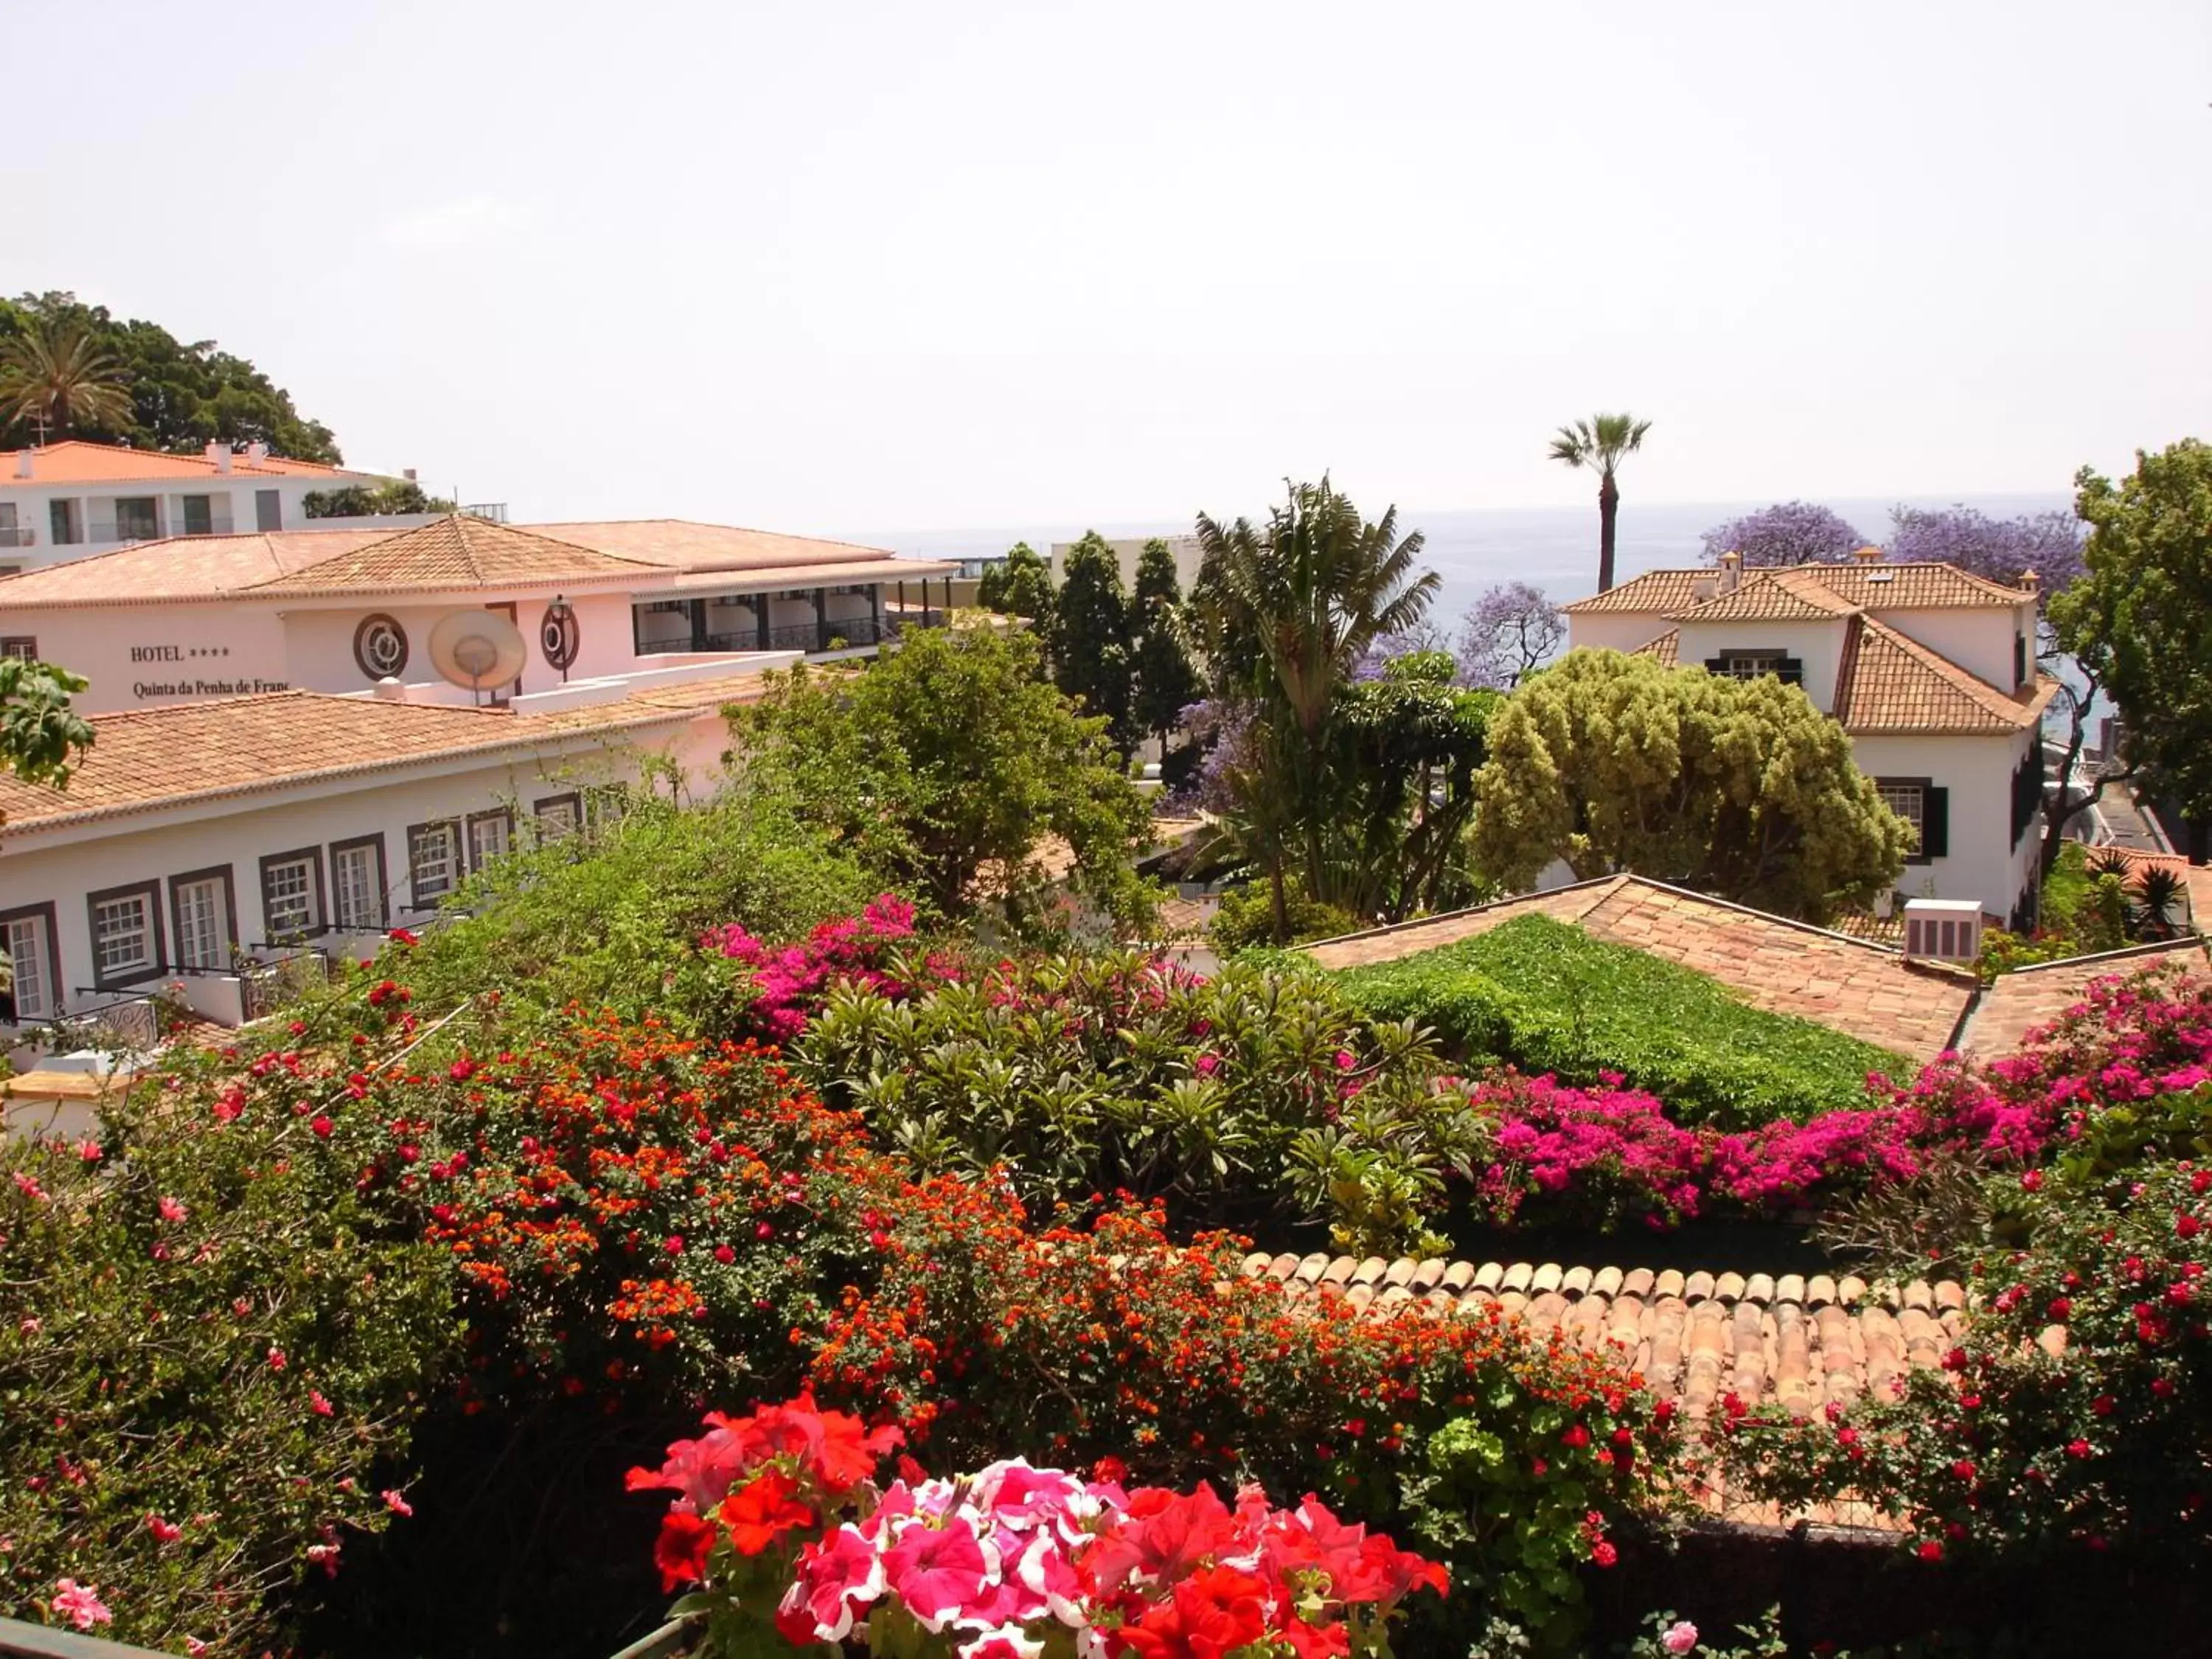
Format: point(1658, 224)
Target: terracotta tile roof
point(1769, 595)
point(2018, 1002)
point(1660, 591)
point(456, 553)
point(1875, 586)
point(1880, 585)
point(73, 460)
point(142, 759)
point(1693, 1337)
point(888, 568)
point(1785, 967)
point(1888, 682)
point(176, 569)
point(1668, 647)
point(683, 544)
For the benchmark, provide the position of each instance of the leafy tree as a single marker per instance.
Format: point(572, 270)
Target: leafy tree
point(57, 380)
point(2001, 549)
point(1291, 608)
point(1737, 788)
point(1094, 653)
point(362, 500)
point(1019, 584)
point(947, 769)
point(1788, 532)
point(1601, 444)
point(181, 397)
point(2140, 620)
point(1167, 677)
point(1511, 630)
point(39, 732)
point(1410, 743)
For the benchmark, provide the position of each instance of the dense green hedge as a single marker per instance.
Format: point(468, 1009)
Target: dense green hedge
point(1546, 997)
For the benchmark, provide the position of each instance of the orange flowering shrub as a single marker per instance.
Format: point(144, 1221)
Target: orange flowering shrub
point(1508, 1457)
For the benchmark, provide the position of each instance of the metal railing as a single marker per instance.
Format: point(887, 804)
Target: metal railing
point(22, 1641)
point(495, 511)
point(266, 987)
point(218, 523)
point(112, 530)
point(18, 535)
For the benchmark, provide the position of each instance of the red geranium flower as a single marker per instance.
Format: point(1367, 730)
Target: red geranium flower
point(681, 1550)
point(760, 1513)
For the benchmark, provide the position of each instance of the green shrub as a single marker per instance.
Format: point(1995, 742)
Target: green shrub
point(612, 921)
point(1247, 917)
point(1542, 996)
point(212, 1350)
point(1256, 1094)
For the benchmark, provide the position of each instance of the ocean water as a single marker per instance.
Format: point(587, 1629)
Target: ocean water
point(1554, 547)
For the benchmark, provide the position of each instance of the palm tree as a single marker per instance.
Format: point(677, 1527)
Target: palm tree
point(1600, 444)
point(1293, 607)
point(60, 378)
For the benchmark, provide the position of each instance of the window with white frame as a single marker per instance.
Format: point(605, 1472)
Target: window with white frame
point(556, 817)
point(357, 884)
point(201, 904)
point(25, 646)
point(125, 944)
point(1910, 802)
point(488, 834)
point(291, 903)
point(434, 862)
point(30, 941)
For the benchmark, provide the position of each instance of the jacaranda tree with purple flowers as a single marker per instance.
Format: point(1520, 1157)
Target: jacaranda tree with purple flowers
point(2001, 549)
point(1510, 631)
point(1788, 532)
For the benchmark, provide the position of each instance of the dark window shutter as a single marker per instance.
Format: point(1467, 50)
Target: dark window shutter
point(1792, 670)
point(2018, 659)
point(1716, 665)
point(1936, 823)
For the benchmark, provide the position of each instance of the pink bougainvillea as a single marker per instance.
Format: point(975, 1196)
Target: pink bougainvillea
point(791, 980)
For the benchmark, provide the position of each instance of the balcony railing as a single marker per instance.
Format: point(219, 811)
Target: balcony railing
point(14, 535)
point(218, 523)
point(838, 633)
point(22, 1641)
point(108, 530)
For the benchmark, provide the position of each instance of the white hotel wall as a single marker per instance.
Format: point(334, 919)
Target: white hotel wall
point(1978, 640)
point(97, 641)
point(239, 832)
point(1818, 645)
point(1616, 630)
point(318, 641)
point(1984, 863)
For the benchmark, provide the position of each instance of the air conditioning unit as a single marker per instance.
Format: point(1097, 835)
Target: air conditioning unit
point(1943, 930)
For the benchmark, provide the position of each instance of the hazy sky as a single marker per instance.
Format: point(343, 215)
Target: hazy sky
point(852, 266)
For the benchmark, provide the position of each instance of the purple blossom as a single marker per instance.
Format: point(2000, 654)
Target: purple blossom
point(1509, 630)
point(2049, 543)
point(1789, 532)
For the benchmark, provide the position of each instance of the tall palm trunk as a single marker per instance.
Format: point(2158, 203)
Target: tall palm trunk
point(1608, 512)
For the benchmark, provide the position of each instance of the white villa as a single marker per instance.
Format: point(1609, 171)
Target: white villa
point(286, 764)
point(1930, 670)
point(62, 501)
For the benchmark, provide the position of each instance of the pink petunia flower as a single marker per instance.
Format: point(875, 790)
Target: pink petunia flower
point(836, 1576)
point(172, 1210)
point(396, 1501)
point(936, 1571)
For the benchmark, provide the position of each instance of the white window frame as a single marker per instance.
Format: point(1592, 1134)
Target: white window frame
point(216, 881)
point(480, 855)
point(369, 850)
point(1908, 798)
point(147, 962)
point(28, 936)
point(423, 896)
point(308, 861)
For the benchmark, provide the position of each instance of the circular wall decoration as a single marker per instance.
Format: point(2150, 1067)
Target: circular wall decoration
point(558, 636)
point(380, 646)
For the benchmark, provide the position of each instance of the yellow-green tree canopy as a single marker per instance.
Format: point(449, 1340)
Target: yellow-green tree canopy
point(1737, 788)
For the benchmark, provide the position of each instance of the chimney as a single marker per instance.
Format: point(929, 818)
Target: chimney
point(23, 462)
point(2030, 582)
point(1866, 555)
point(218, 454)
point(256, 454)
point(408, 473)
point(1731, 571)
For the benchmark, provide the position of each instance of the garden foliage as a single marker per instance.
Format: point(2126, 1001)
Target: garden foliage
point(1545, 997)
